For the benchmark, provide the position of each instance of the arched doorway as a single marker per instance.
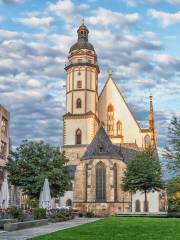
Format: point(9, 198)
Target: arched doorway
point(137, 206)
point(69, 203)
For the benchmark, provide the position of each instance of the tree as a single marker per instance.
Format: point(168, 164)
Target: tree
point(173, 190)
point(172, 152)
point(143, 173)
point(32, 162)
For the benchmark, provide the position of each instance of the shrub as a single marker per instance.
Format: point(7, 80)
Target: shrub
point(81, 214)
point(89, 214)
point(16, 213)
point(39, 213)
point(60, 214)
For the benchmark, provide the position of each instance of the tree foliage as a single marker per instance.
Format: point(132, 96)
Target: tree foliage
point(32, 162)
point(143, 173)
point(173, 190)
point(172, 151)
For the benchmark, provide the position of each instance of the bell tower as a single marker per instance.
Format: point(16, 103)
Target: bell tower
point(81, 118)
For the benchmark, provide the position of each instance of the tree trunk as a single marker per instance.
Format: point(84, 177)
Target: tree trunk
point(145, 202)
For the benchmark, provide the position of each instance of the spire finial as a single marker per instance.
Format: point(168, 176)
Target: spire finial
point(110, 72)
point(83, 19)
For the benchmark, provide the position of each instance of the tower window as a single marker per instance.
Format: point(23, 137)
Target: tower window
point(110, 119)
point(79, 84)
point(100, 182)
point(78, 103)
point(78, 136)
point(3, 150)
point(147, 141)
point(119, 128)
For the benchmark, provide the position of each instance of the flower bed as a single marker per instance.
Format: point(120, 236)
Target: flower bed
point(60, 215)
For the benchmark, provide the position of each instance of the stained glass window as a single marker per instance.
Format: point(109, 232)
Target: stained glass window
point(100, 182)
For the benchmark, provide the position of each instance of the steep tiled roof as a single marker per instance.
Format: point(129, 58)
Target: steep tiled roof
point(101, 146)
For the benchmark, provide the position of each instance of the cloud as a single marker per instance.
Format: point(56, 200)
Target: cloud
point(68, 11)
point(35, 21)
point(165, 18)
point(101, 18)
point(5, 34)
point(12, 1)
point(174, 2)
point(134, 3)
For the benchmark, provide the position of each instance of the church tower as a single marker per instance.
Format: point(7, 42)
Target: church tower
point(81, 118)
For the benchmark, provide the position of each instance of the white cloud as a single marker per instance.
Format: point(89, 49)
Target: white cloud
point(7, 34)
point(134, 3)
point(165, 18)
point(174, 2)
point(105, 17)
point(67, 10)
point(35, 21)
point(12, 1)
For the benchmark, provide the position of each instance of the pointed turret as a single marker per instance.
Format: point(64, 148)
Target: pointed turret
point(152, 124)
point(151, 114)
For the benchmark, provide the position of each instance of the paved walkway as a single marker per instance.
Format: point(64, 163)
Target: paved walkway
point(51, 227)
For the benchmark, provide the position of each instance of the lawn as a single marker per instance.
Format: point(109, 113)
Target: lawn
point(125, 228)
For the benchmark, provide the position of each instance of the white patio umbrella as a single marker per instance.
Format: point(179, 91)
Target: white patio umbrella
point(45, 196)
point(4, 200)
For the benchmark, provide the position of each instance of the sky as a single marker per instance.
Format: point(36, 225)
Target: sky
point(139, 40)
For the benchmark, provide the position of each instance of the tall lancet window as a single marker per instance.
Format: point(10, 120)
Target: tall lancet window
point(119, 128)
point(115, 182)
point(78, 103)
point(100, 182)
point(78, 136)
point(110, 120)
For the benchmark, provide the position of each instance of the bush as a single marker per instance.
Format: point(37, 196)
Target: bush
point(60, 214)
point(16, 213)
point(39, 213)
point(89, 214)
point(81, 214)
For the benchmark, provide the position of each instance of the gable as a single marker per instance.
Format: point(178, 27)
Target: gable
point(131, 131)
point(101, 146)
point(111, 88)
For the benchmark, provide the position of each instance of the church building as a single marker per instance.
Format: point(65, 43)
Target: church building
point(100, 136)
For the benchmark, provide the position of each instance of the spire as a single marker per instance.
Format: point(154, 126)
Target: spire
point(151, 114)
point(152, 124)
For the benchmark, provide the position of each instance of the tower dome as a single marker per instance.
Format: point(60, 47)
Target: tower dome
point(82, 42)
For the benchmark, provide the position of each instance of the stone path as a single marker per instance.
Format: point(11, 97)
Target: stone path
point(51, 227)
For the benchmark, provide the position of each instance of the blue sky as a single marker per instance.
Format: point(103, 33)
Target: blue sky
point(138, 40)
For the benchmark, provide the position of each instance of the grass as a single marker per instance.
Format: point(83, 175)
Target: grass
point(125, 228)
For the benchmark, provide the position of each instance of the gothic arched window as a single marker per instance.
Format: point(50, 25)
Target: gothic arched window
point(100, 182)
point(137, 206)
point(110, 119)
point(78, 136)
point(115, 182)
point(78, 103)
point(119, 128)
point(147, 141)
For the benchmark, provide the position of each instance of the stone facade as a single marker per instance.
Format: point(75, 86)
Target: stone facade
point(85, 187)
point(4, 140)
